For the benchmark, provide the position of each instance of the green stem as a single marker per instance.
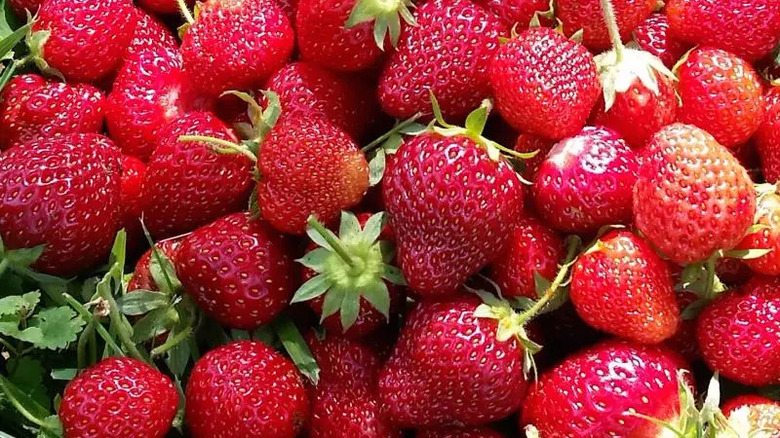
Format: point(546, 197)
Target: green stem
point(20, 407)
point(549, 294)
point(185, 11)
point(709, 287)
point(88, 332)
point(334, 243)
point(3, 266)
point(90, 318)
point(9, 347)
point(396, 129)
point(124, 337)
point(614, 31)
point(172, 343)
point(221, 146)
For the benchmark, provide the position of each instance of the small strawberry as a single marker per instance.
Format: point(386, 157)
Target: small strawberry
point(738, 333)
point(142, 278)
point(32, 107)
point(236, 44)
point(455, 432)
point(517, 12)
point(245, 390)
point(721, 94)
point(131, 201)
point(622, 287)
point(586, 182)
point(768, 136)
point(119, 396)
point(767, 237)
point(692, 197)
point(544, 84)
point(578, 15)
point(62, 192)
point(653, 36)
point(448, 54)
point(749, 415)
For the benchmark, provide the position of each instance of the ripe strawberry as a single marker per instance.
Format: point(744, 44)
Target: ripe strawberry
point(306, 90)
point(554, 102)
point(748, 414)
point(747, 28)
point(576, 15)
point(532, 143)
point(768, 136)
point(265, 396)
point(62, 192)
point(344, 361)
point(684, 339)
point(448, 54)
point(454, 432)
point(161, 7)
point(768, 215)
point(119, 396)
point(236, 45)
point(82, 39)
point(32, 107)
point(20, 7)
point(741, 345)
point(733, 271)
point(692, 197)
point(142, 275)
point(449, 367)
point(622, 287)
point(721, 94)
point(653, 36)
point(586, 182)
point(516, 12)
point(149, 33)
point(288, 7)
point(187, 184)
point(615, 379)
point(131, 201)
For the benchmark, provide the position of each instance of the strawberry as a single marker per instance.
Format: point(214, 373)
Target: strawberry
point(187, 184)
point(82, 39)
point(532, 143)
point(236, 44)
point(692, 197)
point(622, 287)
point(466, 204)
point(554, 102)
point(288, 7)
point(586, 182)
point(613, 380)
point(448, 54)
point(142, 276)
point(741, 345)
point(768, 136)
point(62, 192)
point(237, 270)
point(265, 396)
point(342, 360)
point(578, 15)
point(721, 94)
point(162, 7)
point(767, 237)
point(32, 107)
point(20, 7)
point(747, 28)
point(533, 250)
point(450, 367)
point(454, 432)
point(131, 200)
point(684, 339)
point(119, 396)
point(516, 12)
point(653, 36)
point(149, 33)
point(747, 414)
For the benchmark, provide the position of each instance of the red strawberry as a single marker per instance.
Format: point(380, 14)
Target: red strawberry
point(544, 84)
point(692, 197)
point(448, 54)
point(119, 396)
point(162, 7)
point(245, 390)
point(732, 271)
point(738, 333)
point(454, 432)
point(187, 184)
point(306, 90)
point(622, 287)
point(653, 36)
point(288, 7)
point(533, 249)
point(532, 143)
point(131, 201)
point(142, 275)
point(747, 28)
point(86, 39)
point(747, 414)
point(684, 340)
point(576, 15)
point(149, 33)
point(594, 393)
point(721, 94)
point(449, 367)
point(768, 237)
point(586, 182)
point(20, 7)
point(768, 136)
point(516, 12)
point(237, 270)
point(62, 192)
point(344, 361)
point(32, 107)
point(236, 44)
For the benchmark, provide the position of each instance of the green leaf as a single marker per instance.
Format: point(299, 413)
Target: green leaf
point(25, 405)
point(379, 297)
point(297, 349)
point(27, 374)
point(140, 302)
point(376, 167)
point(154, 323)
point(8, 21)
point(265, 334)
point(315, 259)
point(315, 236)
point(59, 326)
point(692, 310)
point(164, 273)
point(393, 275)
point(64, 373)
point(541, 284)
point(24, 256)
point(10, 41)
point(10, 327)
point(350, 308)
point(747, 254)
point(476, 121)
point(10, 284)
point(332, 302)
point(118, 249)
point(349, 226)
point(313, 288)
point(19, 305)
point(178, 357)
point(373, 227)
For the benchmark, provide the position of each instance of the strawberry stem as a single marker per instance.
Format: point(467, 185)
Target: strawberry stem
point(220, 146)
point(614, 31)
point(171, 343)
point(396, 130)
point(338, 248)
point(185, 11)
point(709, 286)
point(549, 294)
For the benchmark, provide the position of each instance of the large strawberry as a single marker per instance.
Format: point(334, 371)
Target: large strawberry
point(768, 136)
point(61, 192)
point(544, 84)
point(750, 415)
point(448, 54)
point(236, 44)
point(32, 107)
point(578, 15)
point(245, 390)
point(692, 196)
point(458, 432)
point(738, 333)
point(131, 201)
point(766, 237)
point(119, 396)
point(653, 36)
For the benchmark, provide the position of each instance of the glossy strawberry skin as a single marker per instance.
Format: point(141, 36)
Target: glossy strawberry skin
point(653, 36)
point(149, 33)
point(532, 143)
point(684, 340)
point(586, 15)
point(586, 182)
point(236, 45)
point(768, 136)
point(738, 333)
point(768, 215)
point(692, 197)
point(622, 287)
point(544, 84)
point(88, 38)
point(63, 192)
point(33, 107)
point(721, 94)
point(265, 397)
point(142, 276)
point(454, 432)
point(519, 12)
point(612, 378)
point(162, 7)
point(119, 396)
point(747, 28)
point(131, 201)
point(448, 54)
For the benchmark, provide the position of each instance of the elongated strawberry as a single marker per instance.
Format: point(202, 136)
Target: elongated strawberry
point(768, 136)
point(456, 432)
point(653, 36)
point(32, 107)
point(555, 100)
point(767, 237)
point(580, 15)
point(751, 415)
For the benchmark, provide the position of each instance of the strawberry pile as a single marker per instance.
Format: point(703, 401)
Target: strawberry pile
point(389, 218)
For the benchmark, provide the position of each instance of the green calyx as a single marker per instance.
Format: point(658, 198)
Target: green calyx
point(350, 266)
point(388, 144)
point(386, 15)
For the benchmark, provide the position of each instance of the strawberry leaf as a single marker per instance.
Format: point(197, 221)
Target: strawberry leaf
point(16, 304)
point(313, 288)
point(163, 273)
point(141, 301)
point(315, 259)
point(378, 296)
point(27, 374)
point(59, 327)
point(296, 348)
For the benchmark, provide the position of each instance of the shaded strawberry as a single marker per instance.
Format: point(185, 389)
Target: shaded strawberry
point(766, 237)
point(131, 201)
point(768, 136)
point(748, 414)
point(142, 276)
point(578, 15)
point(684, 339)
point(20, 7)
point(517, 12)
point(455, 432)
point(163, 7)
point(526, 143)
point(653, 36)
